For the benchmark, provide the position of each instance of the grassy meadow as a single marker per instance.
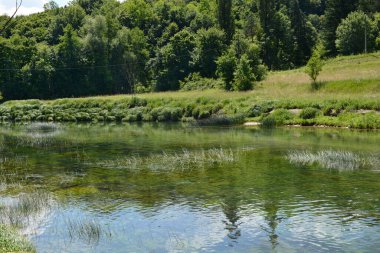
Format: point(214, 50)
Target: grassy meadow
point(348, 95)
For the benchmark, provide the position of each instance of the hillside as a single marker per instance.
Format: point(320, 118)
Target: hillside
point(103, 47)
point(349, 97)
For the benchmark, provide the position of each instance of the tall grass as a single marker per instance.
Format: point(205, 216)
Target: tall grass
point(184, 160)
point(334, 160)
point(43, 127)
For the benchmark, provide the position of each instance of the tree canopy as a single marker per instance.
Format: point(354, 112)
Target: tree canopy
point(95, 47)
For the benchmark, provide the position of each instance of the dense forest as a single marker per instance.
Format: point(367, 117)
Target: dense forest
point(94, 47)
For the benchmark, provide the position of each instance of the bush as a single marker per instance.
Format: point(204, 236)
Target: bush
point(282, 115)
point(309, 113)
point(243, 75)
point(268, 122)
point(204, 114)
point(221, 120)
point(139, 89)
point(259, 109)
point(196, 82)
point(176, 114)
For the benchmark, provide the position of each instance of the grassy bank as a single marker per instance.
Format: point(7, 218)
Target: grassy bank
point(348, 96)
point(11, 242)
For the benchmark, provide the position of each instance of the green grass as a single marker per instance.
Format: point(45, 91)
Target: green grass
point(10, 241)
point(348, 84)
point(18, 215)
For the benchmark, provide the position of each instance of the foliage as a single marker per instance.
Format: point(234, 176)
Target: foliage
point(309, 113)
point(173, 61)
point(243, 75)
point(196, 82)
point(225, 18)
point(276, 118)
point(241, 65)
point(226, 65)
point(354, 34)
point(336, 10)
point(210, 45)
point(314, 65)
point(11, 242)
point(97, 47)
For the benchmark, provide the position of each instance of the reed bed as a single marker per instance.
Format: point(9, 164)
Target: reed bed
point(36, 140)
point(334, 160)
point(184, 160)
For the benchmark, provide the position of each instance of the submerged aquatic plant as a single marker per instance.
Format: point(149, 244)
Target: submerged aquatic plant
point(332, 159)
point(88, 230)
point(20, 212)
point(184, 160)
point(43, 127)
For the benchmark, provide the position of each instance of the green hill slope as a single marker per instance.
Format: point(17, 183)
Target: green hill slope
point(349, 97)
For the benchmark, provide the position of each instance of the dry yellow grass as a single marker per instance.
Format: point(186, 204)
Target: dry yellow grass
point(338, 69)
point(343, 77)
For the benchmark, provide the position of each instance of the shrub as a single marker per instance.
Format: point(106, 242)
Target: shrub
point(176, 114)
point(243, 75)
point(268, 122)
point(226, 65)
point(309, 113)
point(221, 120)
point(130, 118)
point(204, 114)
point(282, 115)
point(196, 82)
point(259, 109)
point(140, 88)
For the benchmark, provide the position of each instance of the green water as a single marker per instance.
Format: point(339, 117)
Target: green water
point(147, 188)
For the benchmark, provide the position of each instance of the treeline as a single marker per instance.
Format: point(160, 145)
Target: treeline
point(94, 47)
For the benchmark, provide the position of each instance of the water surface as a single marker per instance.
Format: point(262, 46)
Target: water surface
point(129, 182)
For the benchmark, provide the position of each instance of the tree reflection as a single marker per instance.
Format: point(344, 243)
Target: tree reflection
point(230, 209)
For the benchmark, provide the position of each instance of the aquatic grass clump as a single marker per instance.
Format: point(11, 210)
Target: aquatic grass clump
point(184, 160)
point(36, 139)
point(88, 230)
point(43, 127)
point(9, 182)
point(334, 160)
point(20, 212)
point(188, 160)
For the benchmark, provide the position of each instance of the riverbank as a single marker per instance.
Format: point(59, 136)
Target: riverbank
point(10, 241)
point(348, 96)
point(212, 107)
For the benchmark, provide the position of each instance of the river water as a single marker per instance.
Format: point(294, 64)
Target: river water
point(175, 188)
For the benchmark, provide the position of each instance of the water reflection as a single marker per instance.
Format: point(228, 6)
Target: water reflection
point(252, 199)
